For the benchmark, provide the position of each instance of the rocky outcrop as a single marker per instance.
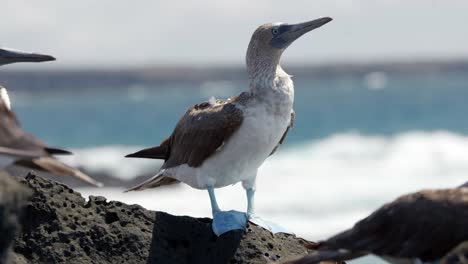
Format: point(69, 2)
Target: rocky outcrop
point(12, 198)
point(62, 227)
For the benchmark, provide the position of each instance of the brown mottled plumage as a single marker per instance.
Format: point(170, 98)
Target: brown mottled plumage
point(424, 225)
point(197, 135)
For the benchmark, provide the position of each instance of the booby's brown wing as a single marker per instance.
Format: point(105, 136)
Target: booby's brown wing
point(19, 153)
point(291, 124)
point(54, 166)
point(14, 141)
point(424, 225)
point(202, 131)
point(199, 133)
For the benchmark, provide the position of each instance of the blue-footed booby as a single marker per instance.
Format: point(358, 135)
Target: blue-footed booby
point(21, 148)
point(223, 142)
point(421, 227)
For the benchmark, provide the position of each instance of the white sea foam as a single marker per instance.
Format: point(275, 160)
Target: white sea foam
point(314, 189)
point(111, 160)
point(376, 80)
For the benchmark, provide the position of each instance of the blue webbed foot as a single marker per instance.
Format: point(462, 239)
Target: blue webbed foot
point(225, 221)
point(268, 225)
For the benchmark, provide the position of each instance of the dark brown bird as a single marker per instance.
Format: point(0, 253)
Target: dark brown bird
point(423, 226)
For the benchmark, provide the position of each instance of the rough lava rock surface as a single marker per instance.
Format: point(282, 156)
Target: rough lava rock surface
point(62, 227)
point(12, 198)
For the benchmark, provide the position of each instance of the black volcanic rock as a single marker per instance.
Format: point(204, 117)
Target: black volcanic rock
point(12, 198)
point(62, 227)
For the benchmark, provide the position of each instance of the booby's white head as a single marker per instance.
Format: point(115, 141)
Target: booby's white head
point(8, 56)
point(270, 40)
point(4, 98)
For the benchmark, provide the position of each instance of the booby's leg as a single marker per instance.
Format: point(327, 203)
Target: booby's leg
point(214, 203)
point(250, 200)
point(272, 227)
point(225, 221)
point(249, 187)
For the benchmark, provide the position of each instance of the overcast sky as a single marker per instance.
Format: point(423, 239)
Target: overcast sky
point(134, 32)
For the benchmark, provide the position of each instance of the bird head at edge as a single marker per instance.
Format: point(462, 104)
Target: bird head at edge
point(8, 56)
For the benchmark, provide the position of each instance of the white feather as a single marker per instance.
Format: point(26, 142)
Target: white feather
point(5, 98)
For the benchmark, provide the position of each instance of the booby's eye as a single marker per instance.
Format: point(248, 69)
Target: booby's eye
point(275, 31)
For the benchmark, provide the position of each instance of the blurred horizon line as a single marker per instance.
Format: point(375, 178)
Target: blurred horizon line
point(188, 76)
point(149, 66)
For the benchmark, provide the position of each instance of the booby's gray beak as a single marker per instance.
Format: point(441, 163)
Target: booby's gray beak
point(8, 56)
point(285, 34)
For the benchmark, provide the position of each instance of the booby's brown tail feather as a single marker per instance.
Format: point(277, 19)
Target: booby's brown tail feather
point(57, 151)
point(156, 181)
point(150, 153)
point(54, 166)
point(327, 255)
point(159, 152)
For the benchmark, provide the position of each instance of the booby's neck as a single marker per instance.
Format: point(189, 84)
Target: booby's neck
point(266, 75)
point(269, 83)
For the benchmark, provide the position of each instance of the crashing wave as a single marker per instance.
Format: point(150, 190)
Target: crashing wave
point(330, 183)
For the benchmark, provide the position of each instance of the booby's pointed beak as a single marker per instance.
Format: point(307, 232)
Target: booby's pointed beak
point(8, 56)
point(287, 34)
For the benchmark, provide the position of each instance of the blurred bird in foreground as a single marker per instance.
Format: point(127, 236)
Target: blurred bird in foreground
point(421, 227)
point(222, 142)
point(21, 148)
point(8, 56)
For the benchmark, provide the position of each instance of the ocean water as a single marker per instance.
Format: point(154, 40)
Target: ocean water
point(359, 140)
